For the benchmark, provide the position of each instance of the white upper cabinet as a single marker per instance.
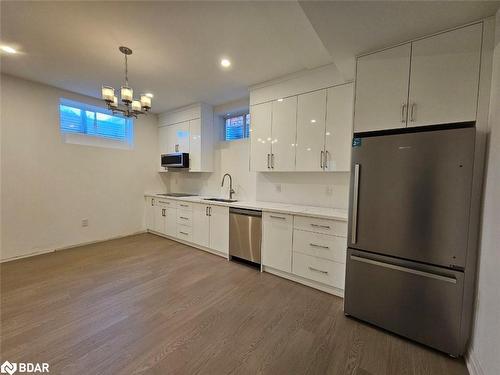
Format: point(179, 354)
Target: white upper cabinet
point(382, 89)
point(195, 152)
point(311, 114)
point(338, 134)
point(429, 81)
point(260, 140)
point(444, 77)
point(178, 137)
point(189, 130)
point(283, 134)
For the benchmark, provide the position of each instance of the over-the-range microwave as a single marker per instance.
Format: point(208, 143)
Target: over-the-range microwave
point(175, 160)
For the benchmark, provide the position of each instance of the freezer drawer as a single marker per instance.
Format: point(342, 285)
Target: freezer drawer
point(421, 302)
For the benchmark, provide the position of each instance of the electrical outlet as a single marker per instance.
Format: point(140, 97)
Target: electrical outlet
point(85, 222)
point(278, 188)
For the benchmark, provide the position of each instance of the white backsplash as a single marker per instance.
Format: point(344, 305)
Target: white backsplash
point(329, 189)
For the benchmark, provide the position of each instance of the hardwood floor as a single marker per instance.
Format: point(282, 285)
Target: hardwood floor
point(147, 305)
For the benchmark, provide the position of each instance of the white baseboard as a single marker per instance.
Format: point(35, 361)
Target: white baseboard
point(206, 249)
point(473, 364)
point(45, 251)
point(313, 284)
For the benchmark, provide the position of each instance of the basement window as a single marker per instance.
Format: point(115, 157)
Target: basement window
point(237, 127)
point(89, 125)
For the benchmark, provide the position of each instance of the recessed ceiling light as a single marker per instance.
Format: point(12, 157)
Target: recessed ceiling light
point(149, 95)
point(225, 63)
point(280, 99)
point(8, 49)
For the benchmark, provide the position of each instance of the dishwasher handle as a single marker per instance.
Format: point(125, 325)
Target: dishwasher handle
point(242, 211)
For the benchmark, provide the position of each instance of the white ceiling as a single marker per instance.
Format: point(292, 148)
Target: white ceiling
point(178, 45)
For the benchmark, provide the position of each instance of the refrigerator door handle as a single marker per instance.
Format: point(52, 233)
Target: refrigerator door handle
point(354, 226)
point(404, 269)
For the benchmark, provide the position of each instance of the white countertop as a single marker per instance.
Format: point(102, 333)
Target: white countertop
point(284, 208)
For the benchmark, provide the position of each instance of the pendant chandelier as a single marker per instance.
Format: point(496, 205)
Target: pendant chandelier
point(129, 107)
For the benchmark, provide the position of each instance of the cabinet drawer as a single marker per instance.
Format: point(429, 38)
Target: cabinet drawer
point(185, 206)
point(326, 226)
point(184, 232)
point(280, 219)
point(320, 245)
point(317, 269)
point(164, 202)
point(185, 217)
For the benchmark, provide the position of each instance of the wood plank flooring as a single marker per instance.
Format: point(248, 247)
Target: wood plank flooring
point(147, 305)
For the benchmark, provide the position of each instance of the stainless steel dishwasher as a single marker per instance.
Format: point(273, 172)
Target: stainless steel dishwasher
point(245, 234)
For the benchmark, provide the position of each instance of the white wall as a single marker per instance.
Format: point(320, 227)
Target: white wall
point(48, 187)
point(484, 358)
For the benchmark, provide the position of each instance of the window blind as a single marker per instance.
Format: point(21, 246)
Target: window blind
point(86, 119)
point(237, 127)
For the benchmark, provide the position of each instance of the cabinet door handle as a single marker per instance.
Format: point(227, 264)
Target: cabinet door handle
point(277, 217)
point(209, 211)
point(152, 202)
point(183, 218)
point(317, 270)
point(268, 165)
point(412, 112)
point(320, 246)
point(184, 205)
point(320, 226)
point(326, 159)
point(184, 233)
point(272, 161)
point(206, 211)
point(321, 159)
point(163, 212)
point(404, 110)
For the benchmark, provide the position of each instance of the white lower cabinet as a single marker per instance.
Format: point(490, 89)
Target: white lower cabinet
point(159, 218)
point(184, 232)
point(201, 225)
point(171, 221)
point(150, 213)
point(320, 245)
point(219, 228)
point(310, 248)
point(164, 217)
point(277, 232)
point(318, 269)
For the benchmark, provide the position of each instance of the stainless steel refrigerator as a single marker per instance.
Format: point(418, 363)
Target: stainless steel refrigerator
point(408, 262)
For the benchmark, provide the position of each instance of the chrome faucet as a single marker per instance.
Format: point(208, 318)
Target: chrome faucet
point(231, 190)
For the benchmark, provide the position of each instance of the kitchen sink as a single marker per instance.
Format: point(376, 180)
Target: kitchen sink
point(220, 200)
